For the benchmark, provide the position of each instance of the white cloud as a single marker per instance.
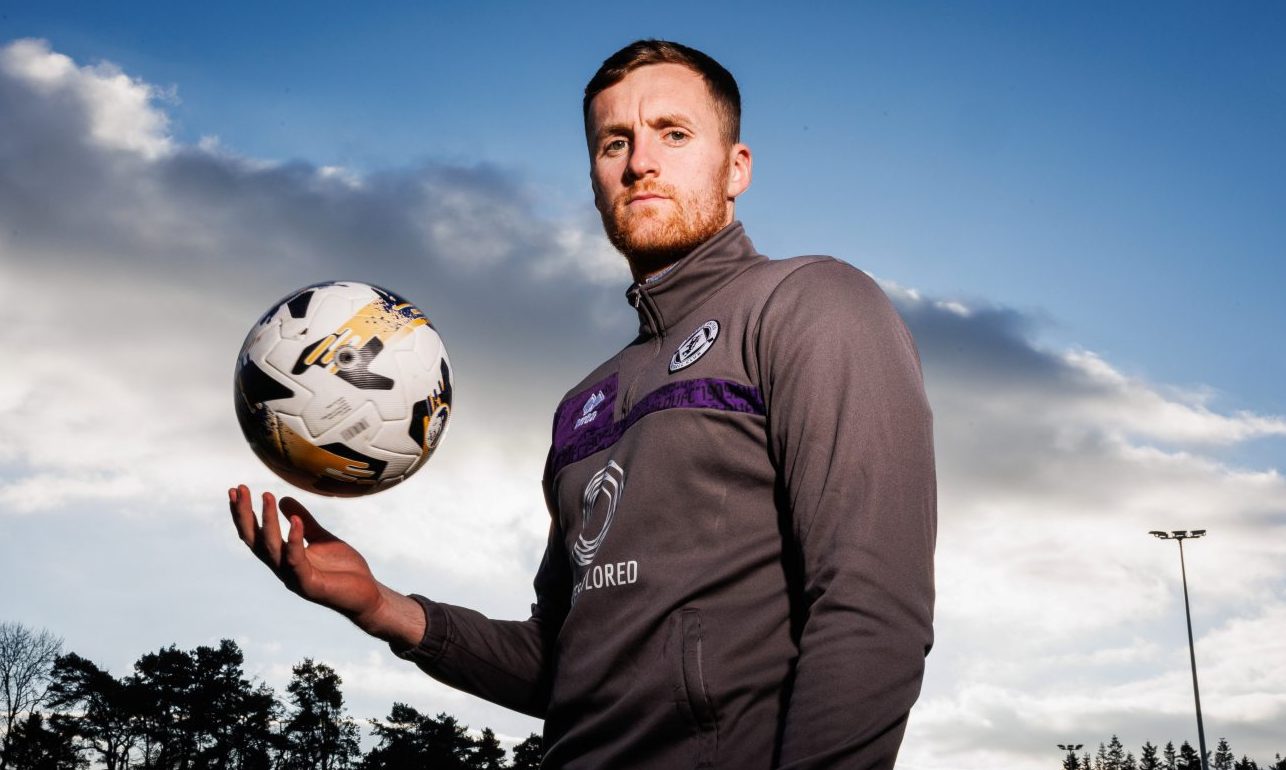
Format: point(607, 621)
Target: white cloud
point(1243, 668)
point(1138, 409)
point(1059, 618)
point(1015, 724)
point(587, 254)
point(121, 112)
point(345, 175)
point(139, 279)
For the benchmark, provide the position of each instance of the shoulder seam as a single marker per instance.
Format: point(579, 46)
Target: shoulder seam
point(815, 259)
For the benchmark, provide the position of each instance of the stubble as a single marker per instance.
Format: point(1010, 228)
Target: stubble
point(653, 237)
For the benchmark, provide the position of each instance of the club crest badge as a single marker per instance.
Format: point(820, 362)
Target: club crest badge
point(694, 346)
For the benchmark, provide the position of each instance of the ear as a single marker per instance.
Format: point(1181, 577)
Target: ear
point(598, 191)
point(740, 163)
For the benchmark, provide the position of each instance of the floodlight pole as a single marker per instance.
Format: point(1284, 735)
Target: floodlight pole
point(1071, 749)
point(1182, 535)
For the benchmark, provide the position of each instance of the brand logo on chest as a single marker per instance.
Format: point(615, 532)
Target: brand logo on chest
point(606, 485)
point(598, 507)
point(694, 346)
point(590, 410)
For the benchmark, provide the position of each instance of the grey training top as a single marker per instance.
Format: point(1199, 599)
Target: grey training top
point(739, 572)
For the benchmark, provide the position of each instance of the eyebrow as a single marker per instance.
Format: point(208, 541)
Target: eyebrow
point(670, 119)
point(612, 129)
point(660, 121)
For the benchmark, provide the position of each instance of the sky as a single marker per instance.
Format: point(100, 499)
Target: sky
point(1077, 209)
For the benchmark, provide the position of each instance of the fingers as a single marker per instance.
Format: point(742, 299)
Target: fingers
point(295, 557)
point(243, 516)
point(302, 525)
point(265, 541)
point(271, 542)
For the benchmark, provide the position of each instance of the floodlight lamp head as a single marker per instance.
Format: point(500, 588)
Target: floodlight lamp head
point(1198, 532)
point(1179, 533)
point(1158, 533)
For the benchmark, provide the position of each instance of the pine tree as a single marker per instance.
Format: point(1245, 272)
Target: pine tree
point(32, 746)
point(1223, 756)
point(318, 735)
point(1188, 759)
point(1171, 758)
point(231, 719)
point(1070, 762)
point(1115, 754)
point(1100, 758)
point(1148, 759)
point(528, 753)
point(105, 720)
point(1246, 763)
point(411, 739)
point(486, 752)
point(160, 688)
point(399, 744)
point(1129, 763)
point(448, 743)
point(1280, 764)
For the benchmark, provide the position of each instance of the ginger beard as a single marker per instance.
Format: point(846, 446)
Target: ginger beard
point(654, 235)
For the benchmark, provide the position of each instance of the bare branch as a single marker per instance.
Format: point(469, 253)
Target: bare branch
point(26, 657)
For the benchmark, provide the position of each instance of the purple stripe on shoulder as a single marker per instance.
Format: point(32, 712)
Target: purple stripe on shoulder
point(573, 444)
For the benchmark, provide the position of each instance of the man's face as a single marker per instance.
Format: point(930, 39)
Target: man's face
point(664, 176)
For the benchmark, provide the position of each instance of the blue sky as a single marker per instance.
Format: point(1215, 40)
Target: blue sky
point(1077, 208)
point(1116, 166)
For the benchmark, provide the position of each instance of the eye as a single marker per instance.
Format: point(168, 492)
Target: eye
point(676, 136)
point(615, 146)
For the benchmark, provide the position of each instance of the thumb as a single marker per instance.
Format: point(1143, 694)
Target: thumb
point(315, 532)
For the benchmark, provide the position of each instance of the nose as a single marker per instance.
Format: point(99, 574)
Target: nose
point(643, 158)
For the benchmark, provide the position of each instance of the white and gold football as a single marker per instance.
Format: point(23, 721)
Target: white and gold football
point(343, 388)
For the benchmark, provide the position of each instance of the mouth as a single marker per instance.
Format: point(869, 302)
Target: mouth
point(646, 197)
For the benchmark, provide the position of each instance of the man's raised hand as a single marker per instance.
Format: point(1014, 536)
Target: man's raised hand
point(322, 568)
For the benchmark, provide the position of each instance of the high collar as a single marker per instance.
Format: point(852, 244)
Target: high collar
point(694, 278)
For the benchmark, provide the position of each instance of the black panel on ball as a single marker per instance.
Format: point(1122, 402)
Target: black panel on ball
point(257, 386)
point(298, 305)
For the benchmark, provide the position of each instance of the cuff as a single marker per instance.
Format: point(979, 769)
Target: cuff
point(437, 630)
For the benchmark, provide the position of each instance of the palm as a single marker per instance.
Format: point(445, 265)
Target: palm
point(334, 574)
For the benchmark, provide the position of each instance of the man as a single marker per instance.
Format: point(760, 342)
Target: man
point(739, 568)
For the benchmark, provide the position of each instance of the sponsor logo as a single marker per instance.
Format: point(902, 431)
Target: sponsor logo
point(606, 485)
point(608, 575)
point(694, 346)
point(590, 410)
point(602, 494)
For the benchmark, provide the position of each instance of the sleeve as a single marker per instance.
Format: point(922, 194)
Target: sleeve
point(851, 434)
point(507, 662)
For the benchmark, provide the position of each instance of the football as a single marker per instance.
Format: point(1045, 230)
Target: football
point(343, 388)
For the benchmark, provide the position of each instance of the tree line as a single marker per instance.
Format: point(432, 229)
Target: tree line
point(1114, 756)
point(197, 710)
